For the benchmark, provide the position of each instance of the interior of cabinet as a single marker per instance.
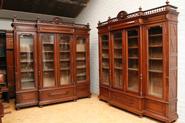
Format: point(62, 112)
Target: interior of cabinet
point(48, 41)
point(133, 60)
point(155, 61)
point(105, 59)
point(27, 61)
point(65, 64)
point(3, 66)
point(118, 72)
point(81, 58)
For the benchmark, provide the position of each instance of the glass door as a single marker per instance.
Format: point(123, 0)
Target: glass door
point(65, 58)
point(133, 60)
point(48, 65)
point(105, 59)
point(155, 61)
point(81, 55)
point(26, 52)
point(117, 60)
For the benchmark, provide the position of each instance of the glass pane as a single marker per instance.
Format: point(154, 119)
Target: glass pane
point(81, 59)
point(133, 59)
point(48, 59)
point(155, 63)
point(26, 62)
point(118, 71)
point(105, 59)
point(3, 58)
point(64, 42)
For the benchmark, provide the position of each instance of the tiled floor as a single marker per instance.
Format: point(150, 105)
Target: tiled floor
point(87, 110)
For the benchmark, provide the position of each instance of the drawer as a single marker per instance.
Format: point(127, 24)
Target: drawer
point(26, 97)
point(154, 107)
point(125, 101)
point(53, 94)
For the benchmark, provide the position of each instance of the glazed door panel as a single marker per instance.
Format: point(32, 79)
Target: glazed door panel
point(104, 59)
point(48, 60)
point(155, 84)
point(117, 51)
point(133, 59)
point(81, 59)
point(27, 60)
point(65, 59)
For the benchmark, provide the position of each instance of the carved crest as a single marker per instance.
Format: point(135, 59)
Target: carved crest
point(122, 15)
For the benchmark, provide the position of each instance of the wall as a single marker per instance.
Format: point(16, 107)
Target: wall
point(99, 10)
point(6, 17)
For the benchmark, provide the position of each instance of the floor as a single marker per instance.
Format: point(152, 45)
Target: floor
point(87, 110)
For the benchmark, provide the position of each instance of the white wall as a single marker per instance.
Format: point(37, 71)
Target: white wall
point(99, 10)
point(6, 17)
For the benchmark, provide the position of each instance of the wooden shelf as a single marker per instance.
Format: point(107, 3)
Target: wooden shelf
point(48, 60)
point(27, 80)
point(118, 48)
point(155, 35)
point(81, 67)
point(133, 47)
point(117, 38)
point(81, 74)
point(118, 68)
point(66, 68)
point(48, 51)
point(81, 59)
point(133, 37)
point(153, 58)
point(156, 45)
point(156, 71)
point(64, 43)
point(64, 60)
point(133, 57)
point(133, 69)
point(67, 51)
point(25, 71)
point(103, 57)
point(26, 51)
point(80, 51)
point(105, 48)
point(48, 70)
point(103, 67)
point(48, 43)
point(26, 61)
point(117, 57)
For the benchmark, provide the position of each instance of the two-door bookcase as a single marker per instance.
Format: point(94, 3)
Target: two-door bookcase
point(138, 62)
point(52, 62)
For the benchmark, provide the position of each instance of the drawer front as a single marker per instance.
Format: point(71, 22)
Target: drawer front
point(83, 91)
point(56, 93)
point(104, 93)
point(125, 100)
point(26, 97)
point(154, 107)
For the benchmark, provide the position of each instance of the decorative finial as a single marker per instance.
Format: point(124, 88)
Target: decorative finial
point(167, 2)
point(140, 8)
point(88, 24)
point(15, 18)
point(109, 18)
point(99, 22)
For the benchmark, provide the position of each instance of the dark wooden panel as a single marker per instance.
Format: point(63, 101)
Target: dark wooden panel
point(126, 102)
point(54, 94)
point(83, 91)
point(10, 72)
point(104, 93)
point(24, 99)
